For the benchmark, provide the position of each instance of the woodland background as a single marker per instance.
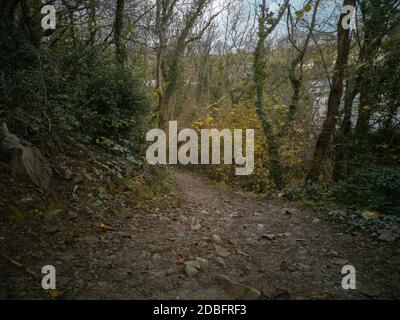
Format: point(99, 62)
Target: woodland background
point(324, 100)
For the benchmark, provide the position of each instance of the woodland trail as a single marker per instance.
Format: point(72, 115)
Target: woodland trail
point(267, 244)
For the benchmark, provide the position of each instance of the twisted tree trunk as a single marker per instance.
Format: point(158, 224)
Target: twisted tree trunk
point(335, 95)
point(259, 80)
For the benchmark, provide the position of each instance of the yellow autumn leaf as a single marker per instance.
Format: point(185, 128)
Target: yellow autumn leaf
point(102, 226)
point(53, 293)
point(370, 214)
point(307, 8)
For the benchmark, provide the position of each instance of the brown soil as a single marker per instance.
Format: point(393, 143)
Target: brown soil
point(282, 251)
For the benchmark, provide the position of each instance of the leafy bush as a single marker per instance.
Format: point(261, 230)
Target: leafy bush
point(370, 188)
point(80, 90)
point(115, 108)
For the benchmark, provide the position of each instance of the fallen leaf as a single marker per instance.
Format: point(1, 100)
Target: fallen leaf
point(54, 293)
point(102, 226)
point(370, 214)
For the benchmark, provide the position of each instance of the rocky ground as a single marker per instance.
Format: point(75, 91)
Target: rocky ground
point(212, 244)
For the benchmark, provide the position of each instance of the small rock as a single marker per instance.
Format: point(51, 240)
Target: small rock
point(340, 261)
point(216, 238)
point(388, 235)
point(72, 214)
point(27, 199)
point(221, 251)
point(202, 262)
point(268, 236)
point(303, 266)
point(396, 229)
point(260, 227)
point(371, 292)
point(54, 212)
point(170, 271)
point(51, 230)
point(195, 226)
point(237, 290)
point(316, 220)
point(158, 273)
point(77, 179)
point(192, 268)
point(156, 257)
point(67, 174)
point(164, 219)
point(3, 295)
point(242, 253)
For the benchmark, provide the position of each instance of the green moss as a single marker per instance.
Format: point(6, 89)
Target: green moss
point(16, 213)
point(157, 189)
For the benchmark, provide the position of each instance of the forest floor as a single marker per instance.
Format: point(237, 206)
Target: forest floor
point(263, 243)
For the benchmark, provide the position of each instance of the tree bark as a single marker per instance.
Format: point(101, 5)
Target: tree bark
point(259, 80)
point(335, 95)
point(118, 28)
point(92, 21)
point(342, 150)
point(7, 10)
point(168, 61)
point(296, 70)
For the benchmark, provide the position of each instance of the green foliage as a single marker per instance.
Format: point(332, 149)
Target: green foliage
point(370, 188)
point(153, 188)
point(115, 107)
point(80, 89)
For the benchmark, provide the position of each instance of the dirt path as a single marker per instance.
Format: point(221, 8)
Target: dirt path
point(265, 244)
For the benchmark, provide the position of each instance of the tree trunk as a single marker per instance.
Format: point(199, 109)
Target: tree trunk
point(259, 80)
point(92, 21)
point(375, 29)
point(7, 10)
point(296, 71)
point(335, 95)
point(389, 128)
point(160, 66)
point(118, 28)
point(342, 150)
point(168, 61)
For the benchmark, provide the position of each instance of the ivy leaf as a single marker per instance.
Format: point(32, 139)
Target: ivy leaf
point(299, 13)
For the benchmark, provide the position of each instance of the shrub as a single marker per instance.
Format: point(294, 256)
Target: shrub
point(376, 188)
point(81, 90)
